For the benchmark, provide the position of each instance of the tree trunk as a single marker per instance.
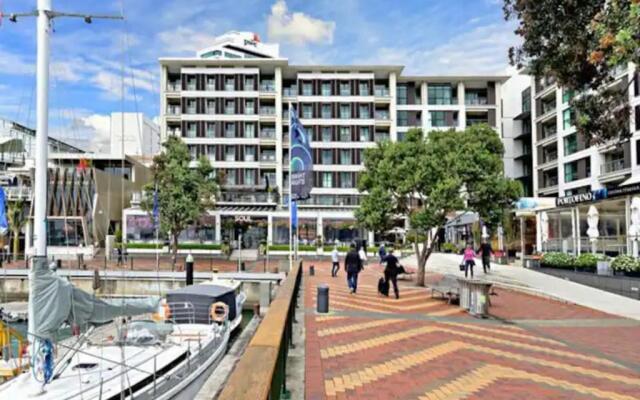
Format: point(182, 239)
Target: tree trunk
point(174, 251)
point(422, 257)
point(16, 245)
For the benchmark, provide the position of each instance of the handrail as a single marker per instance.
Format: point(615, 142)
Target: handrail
point(260, 372)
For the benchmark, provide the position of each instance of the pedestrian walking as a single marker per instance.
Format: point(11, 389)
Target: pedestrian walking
point(335, 260)
point(391, 271)
point(353, 266)
point(382, 253)
point(468, 259)
point(486, 251)
point(362, 253)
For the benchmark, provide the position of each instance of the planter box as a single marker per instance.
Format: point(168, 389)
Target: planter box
point(622, 285)
point(604, 268)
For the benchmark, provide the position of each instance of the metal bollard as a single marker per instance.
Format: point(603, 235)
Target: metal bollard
point(323, 299)
point(312, 270)
point(189, 270)
point(242, 266)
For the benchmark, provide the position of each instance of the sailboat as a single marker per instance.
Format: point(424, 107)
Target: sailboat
point(167, 357)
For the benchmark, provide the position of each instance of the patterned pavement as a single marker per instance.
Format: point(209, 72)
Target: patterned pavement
point(371, 347)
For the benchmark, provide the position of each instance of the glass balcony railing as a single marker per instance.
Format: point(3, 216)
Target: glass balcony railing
point(267, 133)
point(191, 133)
point(267, 86)
point(175, 132)
point(174, 110)
point(383, 115)
point(210, 87)
point(381, 91)
point(191, 85)
point(268, 157)
point(175, 86)
point(476, 121)
point(550, 156)
point(265, 110)
point(290, 91)
point(550, 182)
point(476, 101)
point(381, 136)
point(612, 166)
point(191, 110)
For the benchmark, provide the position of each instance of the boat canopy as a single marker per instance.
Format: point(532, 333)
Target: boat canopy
point(57, 301)
point(198, 299)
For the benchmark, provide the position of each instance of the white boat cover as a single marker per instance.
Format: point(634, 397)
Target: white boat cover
point(56, 301)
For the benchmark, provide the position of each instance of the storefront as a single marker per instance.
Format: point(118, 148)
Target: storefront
point(594, 221)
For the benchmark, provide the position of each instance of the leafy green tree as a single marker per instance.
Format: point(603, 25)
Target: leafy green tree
point(427, 179)
point(16, 219)
point(580, 43)
point(184, 192)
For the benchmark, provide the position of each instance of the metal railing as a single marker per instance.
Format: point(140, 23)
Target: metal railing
point(381, 115)
point(265, 358)
point(174, 110)
point(290, 91)
point(612, 166)
point(174, 86)
point(381, 91)
point(550, 182)
point(267, 133)
point(267, 86)
point(267, 110)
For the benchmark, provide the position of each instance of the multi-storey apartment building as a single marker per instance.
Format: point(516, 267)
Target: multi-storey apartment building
point(230, 104)
point(580, 175)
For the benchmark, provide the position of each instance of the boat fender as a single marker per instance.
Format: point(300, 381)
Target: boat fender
point(164, 312)
point(219, 312)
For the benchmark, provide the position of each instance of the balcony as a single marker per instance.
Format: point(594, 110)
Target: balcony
point(267, 86)
point(254, 197)
point(210, 110)
point(291, 91)
point(268, 157)
point(382, 115)
point(192, 133)
point(268, 133)
point(174, 86)
point(267, 110)
point(477, 121)
point(174, 110)
point(191, 85)
point(249, 110)
point(549, 182)
point(18, 192)
point(210, 87)
point(381, 136)
point(381, 91)
point(174, 132)
point(613, 167)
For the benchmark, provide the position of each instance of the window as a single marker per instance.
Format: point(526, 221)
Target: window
point(327, 157)
point(250, 107)
point(327, 134)
point(345, 134)
point(249, 130)
point(364, 111)
point(230, 107)
point(571, 171)
point(345, 111)
point(307, 111)
point(250, 153)
point(327, 179)
point(231, 177)
point(191, 84)
point(211, 106)
point(326, 88)
point(249, 177)
point(230, 153)
point(346, 180)
point(570, 144)
point(191, 130)
point(211, 152)
point(345, 89)
point(211, 129)
point(326, 111)
point(403, 118)
point(567, 118)
point(230, 130)
point(526, 100)
point(191, 107)
point(438, 118)
point(249, 83)
point(401, 94)
point(365, 134)
point(363, 88)
point(211, 83)
point(567, 95)
point(440, 94)
point(229, 84)
point(307, 89)
point(345, 157)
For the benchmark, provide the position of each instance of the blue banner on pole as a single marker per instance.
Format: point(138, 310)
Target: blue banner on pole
point(4, 225)
point(301, 161)
point(294, 213)
point(156, 209)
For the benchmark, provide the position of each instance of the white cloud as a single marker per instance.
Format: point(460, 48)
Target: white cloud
point(14, 64)
point(186, 40)
point(297, 28)
point(482, 50)
point(91, 132)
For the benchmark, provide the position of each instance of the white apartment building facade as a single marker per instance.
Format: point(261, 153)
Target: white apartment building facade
point(230, 104)
point(580, 175)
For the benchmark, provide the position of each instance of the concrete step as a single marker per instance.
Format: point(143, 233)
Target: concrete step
point(244, 255)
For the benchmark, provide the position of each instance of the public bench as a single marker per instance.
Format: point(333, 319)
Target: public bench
point(448, 288)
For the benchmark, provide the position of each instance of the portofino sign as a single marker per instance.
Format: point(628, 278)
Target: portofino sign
point(596, 195)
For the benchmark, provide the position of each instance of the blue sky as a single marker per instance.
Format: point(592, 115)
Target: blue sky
point(427, 36)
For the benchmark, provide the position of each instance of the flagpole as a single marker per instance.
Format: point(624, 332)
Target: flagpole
point(156, 221)
point(291, 245)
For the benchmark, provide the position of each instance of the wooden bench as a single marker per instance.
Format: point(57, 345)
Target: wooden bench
point(448, 288)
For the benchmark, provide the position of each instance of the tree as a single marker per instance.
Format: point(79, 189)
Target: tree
point(16, 220)
point(184, 193)
point(580, 43)
point(427, 179)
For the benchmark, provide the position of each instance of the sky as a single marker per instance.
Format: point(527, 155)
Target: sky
point(111, 66)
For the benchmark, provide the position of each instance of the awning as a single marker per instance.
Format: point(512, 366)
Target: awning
point(522, 116)
point(631, 181)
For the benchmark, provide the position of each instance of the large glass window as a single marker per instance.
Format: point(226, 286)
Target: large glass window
point(307, 89)
point(345, 134)
point(439, 93)
point(230, 153)
point(327, 134)
point(231, 177)
point(438, 118)
point(567, 118)
point(192, 130)
point(345, 157)
point(327, 179)
point(250, 153)
point(211, 129)
point(571, 171)
point(229, 84)
point(365, 134)
point(403, 118)
point(249, 83)
point(401, 94)
point(326, 111)
point(249, 177)
point(345, 111)
point(363, 88)
point(567, 95)
point(526, 100)
point(211, 106)
point(250, 107)
point(345, 89)
point(364, 111)
point(327, 157)
point(346, 180)
point(65, 232)
point(230, 107)
point(191, 106)
point(307, 111)
point(326, 88)
point(570, 144)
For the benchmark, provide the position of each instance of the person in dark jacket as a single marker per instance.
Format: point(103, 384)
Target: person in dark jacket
point(353, 266)
point(391, 271)
point(382, 253)
point(486, 250)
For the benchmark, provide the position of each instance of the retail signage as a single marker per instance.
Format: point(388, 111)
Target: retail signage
point(596, 195)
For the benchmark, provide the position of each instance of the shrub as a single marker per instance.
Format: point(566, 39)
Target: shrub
point(285, 247)
point(449, 248)
point(625, 263)
point(557, 260)
point(341, 249)
point(148, 246)
point(588, 261)
point(199, 246)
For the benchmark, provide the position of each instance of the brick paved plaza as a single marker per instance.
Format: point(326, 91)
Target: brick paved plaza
point(416, 347)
